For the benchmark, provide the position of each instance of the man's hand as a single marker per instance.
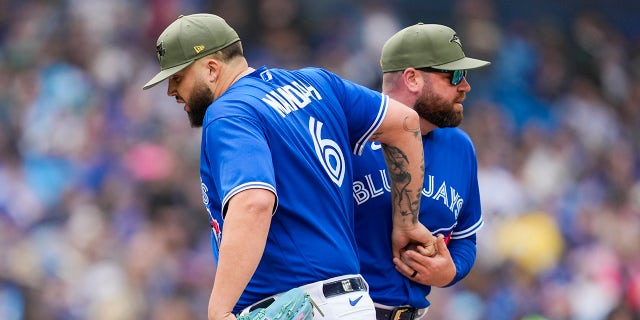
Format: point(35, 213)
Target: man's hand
point(437, 270)
point(403, 238)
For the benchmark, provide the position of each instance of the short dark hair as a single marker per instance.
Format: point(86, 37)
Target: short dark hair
point(229, 52)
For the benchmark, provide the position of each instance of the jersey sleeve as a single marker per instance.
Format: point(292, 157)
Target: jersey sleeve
point(463, 254)
point(239, 153)
point(470, 217)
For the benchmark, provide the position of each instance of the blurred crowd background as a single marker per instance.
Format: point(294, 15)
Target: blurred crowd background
point(100, 207)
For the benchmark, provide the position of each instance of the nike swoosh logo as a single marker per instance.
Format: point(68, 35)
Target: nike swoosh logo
point(375, 145)
point(354, 302)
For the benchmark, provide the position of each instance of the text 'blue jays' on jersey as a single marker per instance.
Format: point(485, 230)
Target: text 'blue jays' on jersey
point(450, 205)
point(290, 132)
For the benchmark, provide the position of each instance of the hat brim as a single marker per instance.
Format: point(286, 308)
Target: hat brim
point(465, 63)
point(166, 73)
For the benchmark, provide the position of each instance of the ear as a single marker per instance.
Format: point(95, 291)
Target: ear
point(212, 69)
point(413, 79)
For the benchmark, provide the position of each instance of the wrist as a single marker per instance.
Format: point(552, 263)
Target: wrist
point(221, 316)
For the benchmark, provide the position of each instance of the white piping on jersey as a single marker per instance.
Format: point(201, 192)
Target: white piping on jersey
point(441, 230)
point(463, 233)
point(469, 231)
point(382, 111)
point(245, 186)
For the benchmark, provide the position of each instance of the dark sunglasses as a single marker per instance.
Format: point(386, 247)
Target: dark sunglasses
point(456, 75)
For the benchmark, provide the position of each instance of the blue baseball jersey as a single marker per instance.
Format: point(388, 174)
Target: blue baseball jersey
point(290, 132)
point(450, 205)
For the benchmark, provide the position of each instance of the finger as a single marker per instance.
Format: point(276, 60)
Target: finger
point(415, 260)
point(403, 268)
point(411, 256)
point(396, 254)
point(429, 250)
point(441, 245)
point(412, 274)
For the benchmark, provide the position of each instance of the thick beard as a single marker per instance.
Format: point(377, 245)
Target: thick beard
point(437, 111)
point(199, 100)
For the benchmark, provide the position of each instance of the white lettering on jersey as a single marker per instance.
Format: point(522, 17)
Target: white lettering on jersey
point(428, 192)
point(328, 152)
point(216, 231)
point(374, 192)
point(204, 189)
point(362, 193)
point(442, 193)
point(365, 189)
point(458, 206)
point(454, 198)
point(291, 97)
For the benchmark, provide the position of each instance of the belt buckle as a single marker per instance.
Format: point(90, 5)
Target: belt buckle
point(346, 285)
point(397, 312)
point(338, 287)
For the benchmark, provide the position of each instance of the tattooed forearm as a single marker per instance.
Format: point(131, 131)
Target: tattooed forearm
point(405, 184)
point(398, 163)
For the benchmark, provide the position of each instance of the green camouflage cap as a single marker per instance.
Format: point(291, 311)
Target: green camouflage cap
point(187, 39)
point(426, 45)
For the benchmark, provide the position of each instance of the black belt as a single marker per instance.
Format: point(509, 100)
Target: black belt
point(397, 313)
point(336, 288)
point(329, 289)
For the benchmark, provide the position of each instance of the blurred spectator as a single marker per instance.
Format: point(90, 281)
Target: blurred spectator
point(100, 205)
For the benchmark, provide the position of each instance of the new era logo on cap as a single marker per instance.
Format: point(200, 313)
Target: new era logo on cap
point(189, 38)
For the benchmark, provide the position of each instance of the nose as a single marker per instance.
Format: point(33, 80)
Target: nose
point(464, 85)
point(171, 89)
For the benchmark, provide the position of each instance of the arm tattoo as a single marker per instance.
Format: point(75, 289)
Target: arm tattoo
point(416, 131)
point(397, 163)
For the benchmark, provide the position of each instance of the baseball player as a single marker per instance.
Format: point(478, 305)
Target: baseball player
point(276, 172)
point(424, 67)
